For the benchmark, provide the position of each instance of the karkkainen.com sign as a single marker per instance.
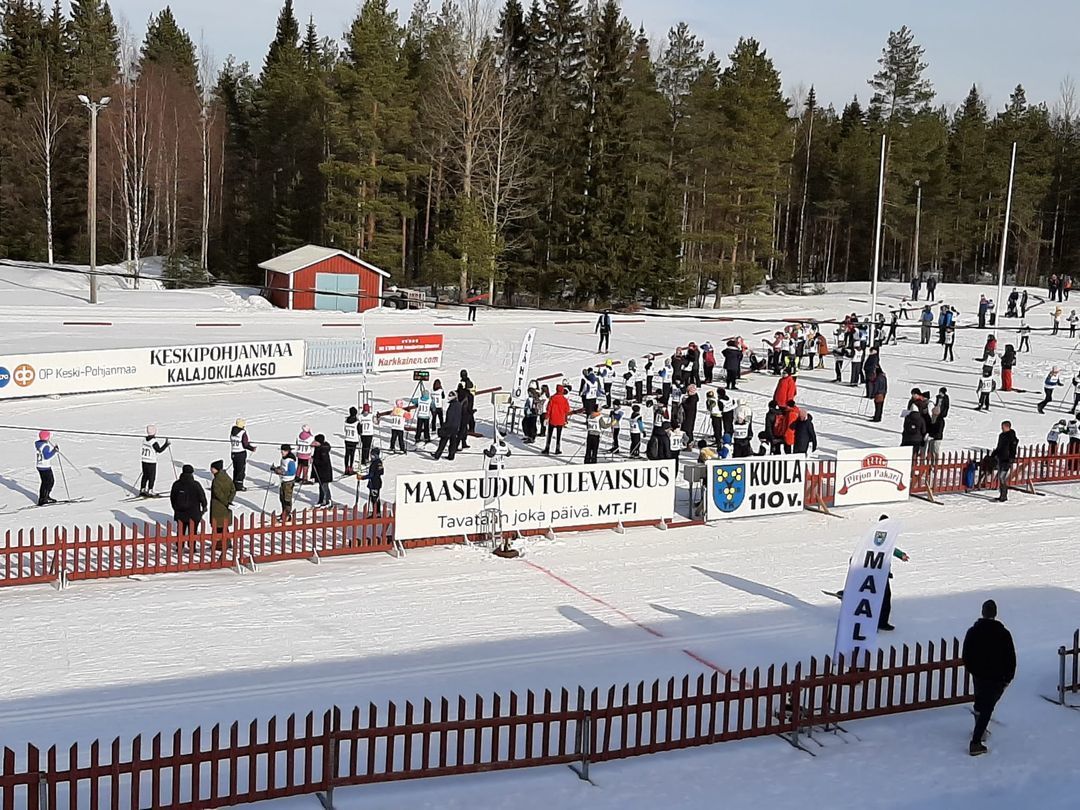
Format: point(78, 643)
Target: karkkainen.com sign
point(450, 504)
point(39, 375)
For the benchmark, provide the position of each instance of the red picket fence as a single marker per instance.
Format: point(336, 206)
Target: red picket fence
point(316, 754)
point(61, 554)
point(1035, 464)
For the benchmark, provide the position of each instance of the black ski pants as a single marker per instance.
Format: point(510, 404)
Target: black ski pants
point(48, 481)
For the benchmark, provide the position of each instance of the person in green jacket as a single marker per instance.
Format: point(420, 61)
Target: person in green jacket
point(222, 494)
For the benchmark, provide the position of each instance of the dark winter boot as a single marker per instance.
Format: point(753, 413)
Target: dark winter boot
point(977, 748)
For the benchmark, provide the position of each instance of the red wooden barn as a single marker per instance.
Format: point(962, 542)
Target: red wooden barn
point(313, 277)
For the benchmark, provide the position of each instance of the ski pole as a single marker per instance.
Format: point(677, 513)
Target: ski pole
point(356, 501)
point(63, 476)
point(172, 461)
point(266, 493)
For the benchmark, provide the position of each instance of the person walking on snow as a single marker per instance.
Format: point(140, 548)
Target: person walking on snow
point(151, 449)
point(322, 466)
point(1025, 337)
point(1056, 316)
point(1052, 381)
point(240, 446)
point(287, 470)
point(805, 435)
point(558, 413)
point(451, 426)
point(352, 438)
point(879, 389)
point(990, 659)
point(1008, 363)
point(45, 451)
point(603, 327)
point(949, 342)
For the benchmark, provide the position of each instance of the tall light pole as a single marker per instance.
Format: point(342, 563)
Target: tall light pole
point(877, 242)
point(91, 191)
point(1005, 231)
point(918, 223)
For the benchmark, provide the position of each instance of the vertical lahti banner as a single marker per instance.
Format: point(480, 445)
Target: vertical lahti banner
point(874, 475)
point(521, 376)
point(754, 486)
point(864, 590)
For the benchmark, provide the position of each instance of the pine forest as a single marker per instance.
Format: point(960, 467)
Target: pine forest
point(549, 153)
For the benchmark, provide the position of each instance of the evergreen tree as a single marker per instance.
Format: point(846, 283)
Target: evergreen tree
point(168, 45)
point(900, 88)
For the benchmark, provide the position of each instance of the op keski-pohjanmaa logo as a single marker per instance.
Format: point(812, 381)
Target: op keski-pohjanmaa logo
point(875, 469)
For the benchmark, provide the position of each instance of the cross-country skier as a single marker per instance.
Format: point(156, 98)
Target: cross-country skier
point(1025, 337)
point(592, 440)
point(742, 431)
point(637, 427)
point(1052, 381)
point(606, 375)
point(374, 477)
point(240, 446)
point(151, 449)
point(590, 391)
point(322, 466)
point(46, 451)
point(396, 422)
point(422, 417)
point(497, 453)
point(303, 454)
point(367, 433)
point(617, 415)
point(438, 405)
point(990, 659)
point(352, 438)
point(287, 470)
point(603, 327)
point(985, 387)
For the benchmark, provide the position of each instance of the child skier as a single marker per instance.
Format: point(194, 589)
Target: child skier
point(46, 451)
point(396, 422)
point(151, 449)
point(352, 438)
point(367, 433)
point(986, 386)
point(637, 427)
point(303, 454)
point(287, 470)
point(239, 446)
point(592, 440)
point(423, 419)
point(374, 479)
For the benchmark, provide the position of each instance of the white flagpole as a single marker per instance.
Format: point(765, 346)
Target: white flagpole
point(877, 243)
point(1005, 230)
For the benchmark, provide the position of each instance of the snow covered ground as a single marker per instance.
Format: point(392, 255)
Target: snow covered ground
point(121, 657)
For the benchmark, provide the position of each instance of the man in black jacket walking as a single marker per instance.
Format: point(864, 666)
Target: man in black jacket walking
point(1005, 453)
point(451, 426)
point(990, 659)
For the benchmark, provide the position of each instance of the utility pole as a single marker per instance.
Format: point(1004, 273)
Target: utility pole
point(918, 223)
point(1005, 230)
point(877, 242)
point(91, 191)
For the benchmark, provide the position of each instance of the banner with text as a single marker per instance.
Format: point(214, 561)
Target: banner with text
point(877, 475)
point(39, 375)
point(521, 376)
point(864, 590)
point(748, 487)
point(448, 504)
point(407, 352)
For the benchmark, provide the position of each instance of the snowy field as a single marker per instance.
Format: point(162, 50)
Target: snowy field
point(118, 658)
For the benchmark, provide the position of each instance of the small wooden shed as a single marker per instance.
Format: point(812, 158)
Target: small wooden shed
point(314, 277)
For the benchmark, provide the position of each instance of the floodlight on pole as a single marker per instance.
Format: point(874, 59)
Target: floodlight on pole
point(91, 191)
point(1005, 229)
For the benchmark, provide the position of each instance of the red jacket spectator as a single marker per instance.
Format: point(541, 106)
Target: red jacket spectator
point(558, 410)
point(791, 416)
point(785, 390)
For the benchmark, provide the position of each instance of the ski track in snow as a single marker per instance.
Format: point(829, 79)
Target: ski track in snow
point(117, 658)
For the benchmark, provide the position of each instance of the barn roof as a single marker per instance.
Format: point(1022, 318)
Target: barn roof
point(303, 257)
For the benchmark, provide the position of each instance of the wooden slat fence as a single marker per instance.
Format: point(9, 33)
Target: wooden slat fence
point(84, 552)
point(200, 770)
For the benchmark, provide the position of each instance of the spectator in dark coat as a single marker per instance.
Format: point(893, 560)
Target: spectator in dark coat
point(879, 389)
point(869, 368)
point(990, 659)
point(805, 435)
point(188, 500)
point(323, 467)
point(732, 363)
point(913, 434)
point(1005, 455)
point(689, 414)
point(451, 427)
point(468, 419)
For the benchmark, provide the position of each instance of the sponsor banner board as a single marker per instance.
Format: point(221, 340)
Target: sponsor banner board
point(747, 487)
point(876, 475)
point(407, 352)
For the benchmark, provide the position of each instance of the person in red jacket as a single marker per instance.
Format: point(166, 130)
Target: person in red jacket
point(791, 416)
point(785, 389)
point(558, 412)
